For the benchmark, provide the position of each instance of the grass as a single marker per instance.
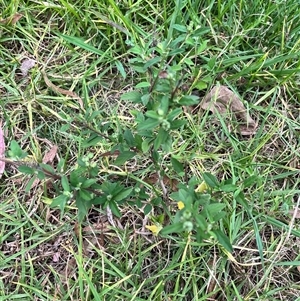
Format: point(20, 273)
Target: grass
point(84, 46)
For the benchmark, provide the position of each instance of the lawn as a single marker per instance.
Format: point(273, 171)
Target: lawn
point(152, 150)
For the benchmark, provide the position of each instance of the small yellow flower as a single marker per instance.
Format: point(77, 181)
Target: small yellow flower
point(202, 187)
point(180, 205)
point(155, 229)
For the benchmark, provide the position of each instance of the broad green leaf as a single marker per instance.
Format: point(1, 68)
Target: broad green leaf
point(122, 195)
point(138, 68)
point(167, 146)
point(109, 187)
point(211, 63)
point(129, 138)
point(200, 85)
point(174, 113)
point(175, 43)
point(189, 62)
point(114, 209)
point(153, 61)
point(60, 201)
point(182, 195)
point(164, 104)
point(142, 85)
point(147, 209)
point(153, 114)
point(41, 175)
point(179, 27)
point(96, 186)
point(100, 200)
point(218, 216)
point(26, 170)
point(87, 183)
point(65, 183)
point(133, 96)
point(138, 141)
point(161, 137)
point(136, 50)
point(16, 151)
point(178, 167)
point(47, 167)
point(123, 157)
point(223, 240)
point(228, 188)
point(189, 100)
point(29, 184)
point(163, 87)
point(85, 194)
point(202, 47)
point(210, 180)
point(177, 51)
point(212, 209)
point(201, 235)
point(176, 124)
point(145, 146)
point(75, 179)
point(145, 99)
point(175, 228)
point(148, 124)
point(65, 128)
point(201, 222)
point(156, 201)
point(83, 207)
point(120, 68)
point(93, 140)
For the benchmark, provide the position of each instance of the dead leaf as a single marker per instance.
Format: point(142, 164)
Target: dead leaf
point(163, 74)
point(154, 179)
point(26, 65)
point(48, 158)
point(56, 257)
point(107, 154)
point(295, 213)
point(50, 155)
point(12, 20)
point(2, 152)
point(222, 100)
point(61, 91)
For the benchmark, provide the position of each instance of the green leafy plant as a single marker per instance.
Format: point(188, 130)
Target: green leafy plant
point(161, 95)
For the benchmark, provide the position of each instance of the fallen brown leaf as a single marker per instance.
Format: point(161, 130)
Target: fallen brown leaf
point(2, 152)
point(48, 158)
point(295, 213)
point(56, 257)
point(222, 100)
point(26, 65)
point(50, 155)
point(12, 20)
point(108, 154)
point(154, 178)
